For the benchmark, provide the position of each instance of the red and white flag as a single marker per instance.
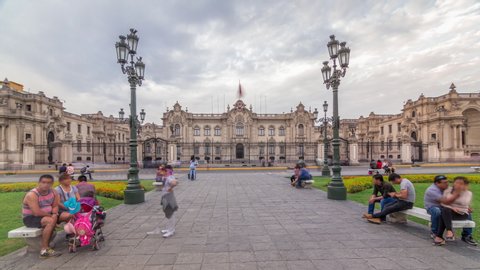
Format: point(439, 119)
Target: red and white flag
point(240, 90)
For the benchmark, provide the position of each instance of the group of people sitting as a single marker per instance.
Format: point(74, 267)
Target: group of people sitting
point(300, 174)
point(386, 165)
point(442, 202)
point(44, 206)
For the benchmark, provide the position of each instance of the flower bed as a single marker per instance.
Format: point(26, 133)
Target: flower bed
point(356, 184)
point(110, 189)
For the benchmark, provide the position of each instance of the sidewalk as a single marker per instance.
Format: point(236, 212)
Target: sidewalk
point(255, 221)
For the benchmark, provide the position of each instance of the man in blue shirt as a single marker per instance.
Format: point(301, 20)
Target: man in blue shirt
point(432, 200)
point(302, 176)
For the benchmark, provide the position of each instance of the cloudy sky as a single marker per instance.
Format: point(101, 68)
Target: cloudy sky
point(197, 51)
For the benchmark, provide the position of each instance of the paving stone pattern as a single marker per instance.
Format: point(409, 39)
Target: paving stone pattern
point(254, 221)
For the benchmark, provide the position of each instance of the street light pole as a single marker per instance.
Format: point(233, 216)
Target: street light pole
point(336, 188)
point(135, 72)
point(325, 168)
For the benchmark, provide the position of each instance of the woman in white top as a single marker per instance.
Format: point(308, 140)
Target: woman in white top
point(170, 204)
point(457, 210)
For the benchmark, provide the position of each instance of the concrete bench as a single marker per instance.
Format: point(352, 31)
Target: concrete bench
point(158, 185)
point(32, 237)
point(422, 214)
point(476, 169)
point(375, 171)
point(307, 183)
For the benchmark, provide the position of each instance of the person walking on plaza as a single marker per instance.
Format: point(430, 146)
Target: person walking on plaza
point(168, 202)
point(40, 210)
point(405, 199)
point(458, 209)
point(434, 198)
point(70, 170)
point(379, 186)
point(192, 174)
point(86, 171)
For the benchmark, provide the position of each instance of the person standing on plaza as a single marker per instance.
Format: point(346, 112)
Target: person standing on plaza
point(70, 170)
point(434, 198)
point(379, 186)
point(40, 210)
point(458, 209)
point(405, 199)
point(168, 202)
point(192, 174)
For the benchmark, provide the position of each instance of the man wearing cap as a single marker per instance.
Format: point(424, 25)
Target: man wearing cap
point(432, 200)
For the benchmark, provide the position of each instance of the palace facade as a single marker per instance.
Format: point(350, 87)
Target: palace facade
point(36, 129)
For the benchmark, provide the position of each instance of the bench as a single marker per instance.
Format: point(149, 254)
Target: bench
point(307, 183)
point(32, 237)
point(158, 185)
point(375, 171)
point(422, 214)
point(476, 169)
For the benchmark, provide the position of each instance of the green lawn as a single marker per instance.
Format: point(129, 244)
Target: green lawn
point(11, 218)
point(362, 197)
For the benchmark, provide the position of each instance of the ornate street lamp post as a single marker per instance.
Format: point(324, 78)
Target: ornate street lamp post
point(135, 72)
point(325, 120)
point(336, 188)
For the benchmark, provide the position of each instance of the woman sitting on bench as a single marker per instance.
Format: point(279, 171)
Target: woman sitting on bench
point(457, 210)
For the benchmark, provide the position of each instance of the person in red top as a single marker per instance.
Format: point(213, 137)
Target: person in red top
point(379, 164)
point(40, 210)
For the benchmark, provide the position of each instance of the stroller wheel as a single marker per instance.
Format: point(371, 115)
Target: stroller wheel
point(96, 245)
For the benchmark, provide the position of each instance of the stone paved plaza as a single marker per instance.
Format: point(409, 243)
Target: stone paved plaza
point(255, 221)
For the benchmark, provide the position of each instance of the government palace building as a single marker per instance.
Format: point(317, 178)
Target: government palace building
point(36, 130)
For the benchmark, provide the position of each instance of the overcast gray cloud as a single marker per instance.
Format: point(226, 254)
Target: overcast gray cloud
point(197, 51)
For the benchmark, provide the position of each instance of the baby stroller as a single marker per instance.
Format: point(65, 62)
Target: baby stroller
point(87, 226)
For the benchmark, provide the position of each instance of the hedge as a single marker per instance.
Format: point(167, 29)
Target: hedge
point(112, 189)
point(356, 184)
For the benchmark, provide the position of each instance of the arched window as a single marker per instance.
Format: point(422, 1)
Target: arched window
point(281, 131)
point(301, 131)
point(206, 131)
point(196, 131)
point(261, 131)
point(239, 129)
point(218, 131)
point(177, 130)
point(413, 113)
point(271, 131)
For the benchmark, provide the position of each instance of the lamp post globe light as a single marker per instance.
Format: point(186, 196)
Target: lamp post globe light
point(336, 188)
point(135, 70)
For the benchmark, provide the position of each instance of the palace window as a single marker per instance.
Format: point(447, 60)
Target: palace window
point(390, 129)
point(68, 126)
point(271, 149)
point(207, 131)
point(79, 146)
point(218, 131)
point(271, 131)
point(88, 146)
point(196, 150)
point(218, 150)
point(282, 149)
point(177, 130)
point(88, 132)
point(261, 131)
point(381, 130)
point(399, 127)
point(301, 131)
point(196, 131)
point(239, 130)
point(207, 149)
point(281, 131)
point(79, 128)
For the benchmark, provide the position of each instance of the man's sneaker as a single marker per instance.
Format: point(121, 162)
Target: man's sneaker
point(375, 220)
point(367, 215)
point(168, 234)
point(164, 231)
point(432, 235)
point(47, 253)
point(469, 240)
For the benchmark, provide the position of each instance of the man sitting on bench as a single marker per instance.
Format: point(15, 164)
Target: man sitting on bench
point(406, 199)
point(379, 186)
point(432, 200)
point(40, 210)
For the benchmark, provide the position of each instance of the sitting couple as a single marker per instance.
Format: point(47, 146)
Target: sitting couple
point(390, 201)
point(445, 204)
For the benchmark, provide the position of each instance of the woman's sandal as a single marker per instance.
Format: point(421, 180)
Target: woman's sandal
point(450, 239)
point(441, 243)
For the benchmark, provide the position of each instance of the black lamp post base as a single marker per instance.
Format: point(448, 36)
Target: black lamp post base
point(134, 196)
point(336, 193)
point(325, 171)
